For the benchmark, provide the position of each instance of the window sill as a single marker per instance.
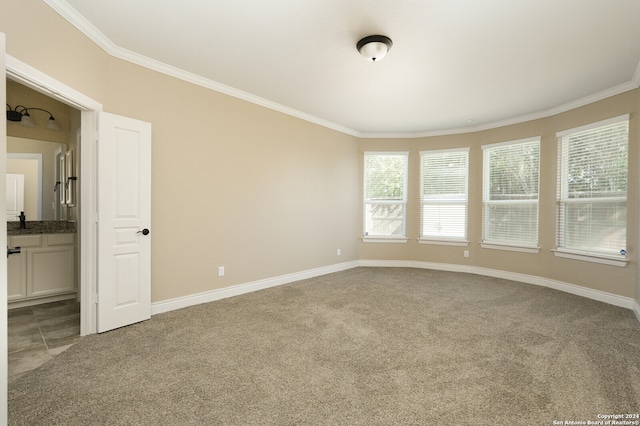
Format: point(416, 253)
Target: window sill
point(521, 249)
point(460, 243)
point(591, 257)
point(395, 240)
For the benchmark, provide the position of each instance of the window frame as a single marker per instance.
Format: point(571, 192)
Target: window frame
point(563, 198)
point(383, 238)
point(444, 240)
point(486, 201)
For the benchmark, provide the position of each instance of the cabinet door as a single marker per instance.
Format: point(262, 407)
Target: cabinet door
point(17, 265)
point(16, 279)
point(50, 271)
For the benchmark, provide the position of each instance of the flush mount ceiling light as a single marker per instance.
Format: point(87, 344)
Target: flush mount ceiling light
point(374, 47)
point(21, 113)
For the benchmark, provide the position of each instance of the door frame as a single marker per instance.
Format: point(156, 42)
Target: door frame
point(25, 74)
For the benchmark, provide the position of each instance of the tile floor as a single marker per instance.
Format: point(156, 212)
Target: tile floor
point(40, 332)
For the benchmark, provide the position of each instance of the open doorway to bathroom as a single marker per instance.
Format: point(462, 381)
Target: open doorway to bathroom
point(43, 302)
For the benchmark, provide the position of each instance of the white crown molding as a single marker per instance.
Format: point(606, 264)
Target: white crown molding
point(607, 93)
point(87, 28)
point(636, 76)
point(27, 75)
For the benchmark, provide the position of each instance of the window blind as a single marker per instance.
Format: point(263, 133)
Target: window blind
point(444, 194)
point(592, 188)
point(385, 194)
point(510, 192)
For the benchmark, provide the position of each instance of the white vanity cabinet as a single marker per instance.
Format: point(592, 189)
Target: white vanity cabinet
point(43, 270)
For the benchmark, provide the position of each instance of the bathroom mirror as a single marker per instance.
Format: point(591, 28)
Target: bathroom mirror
point(39, 164)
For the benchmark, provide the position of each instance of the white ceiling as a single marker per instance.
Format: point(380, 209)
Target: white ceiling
point(455, 65)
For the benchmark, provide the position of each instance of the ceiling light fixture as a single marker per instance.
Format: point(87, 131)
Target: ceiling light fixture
point(21, 113)
point(374, 47)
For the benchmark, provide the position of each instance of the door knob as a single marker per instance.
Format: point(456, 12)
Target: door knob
point(145, 231)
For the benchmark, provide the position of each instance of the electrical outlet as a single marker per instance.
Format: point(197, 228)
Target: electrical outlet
point(221, 271)
point(339, 252)
point(466, 253)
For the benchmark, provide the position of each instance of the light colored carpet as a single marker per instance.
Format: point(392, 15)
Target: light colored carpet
point(365, 346)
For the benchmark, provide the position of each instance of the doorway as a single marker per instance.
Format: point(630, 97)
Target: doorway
point(44, 311)
point(85, 155)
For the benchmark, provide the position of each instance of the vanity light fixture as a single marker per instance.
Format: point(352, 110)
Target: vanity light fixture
point(21, 113)
point(374, 47)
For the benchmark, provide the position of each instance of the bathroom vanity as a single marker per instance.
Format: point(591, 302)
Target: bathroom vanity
point(44, 269)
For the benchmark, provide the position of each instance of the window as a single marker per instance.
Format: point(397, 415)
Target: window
point(592, 188)
point(385, 194)
point(443, 194)
point(510, 193)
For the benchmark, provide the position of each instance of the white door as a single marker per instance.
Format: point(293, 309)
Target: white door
point(124, 220)
point(15, 196)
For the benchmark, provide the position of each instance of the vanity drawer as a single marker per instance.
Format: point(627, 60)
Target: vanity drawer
point(26, 241)
point(61, 239)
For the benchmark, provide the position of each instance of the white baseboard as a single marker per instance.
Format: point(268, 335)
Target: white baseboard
point(236, 290)
point(612, 299)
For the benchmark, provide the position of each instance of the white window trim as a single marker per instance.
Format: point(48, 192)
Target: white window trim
point(383, 238)
point(510, 247)
point(441, 151)
point(590, 257)
point(496, 245)
point(380, 239)
point(451, 241)
point(513, 142)
point(444, 241)
point(586, 256)
point(613, 120)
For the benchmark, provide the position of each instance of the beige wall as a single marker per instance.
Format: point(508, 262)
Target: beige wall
point(266, 194)
point(237, 185)
point(234, 184)
point(611, 279)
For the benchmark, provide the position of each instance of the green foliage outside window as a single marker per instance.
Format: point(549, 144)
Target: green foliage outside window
point(594, 171)
point(514, 171)
point(384, 177)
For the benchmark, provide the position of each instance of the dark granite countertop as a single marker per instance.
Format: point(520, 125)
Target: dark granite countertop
point(42, 227)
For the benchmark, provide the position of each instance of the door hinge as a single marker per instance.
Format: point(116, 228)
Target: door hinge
point(95, 300)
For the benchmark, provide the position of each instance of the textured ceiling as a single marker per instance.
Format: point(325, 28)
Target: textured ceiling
point(455, 65)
